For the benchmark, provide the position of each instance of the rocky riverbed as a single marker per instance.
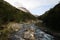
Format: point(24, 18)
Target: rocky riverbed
point(30, 32)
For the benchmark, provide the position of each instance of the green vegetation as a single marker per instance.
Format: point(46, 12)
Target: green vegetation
point(8, 13)
point(51, 18)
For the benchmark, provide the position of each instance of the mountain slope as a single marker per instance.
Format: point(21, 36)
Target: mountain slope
point(9, 13)
point(52, 18)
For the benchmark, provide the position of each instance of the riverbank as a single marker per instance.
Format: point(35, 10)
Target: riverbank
point(30, 32)
point(49, 31)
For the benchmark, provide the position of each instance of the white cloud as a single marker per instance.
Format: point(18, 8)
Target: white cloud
point(31, 4)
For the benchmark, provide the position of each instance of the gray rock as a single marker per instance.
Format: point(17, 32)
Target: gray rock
point(30, 32)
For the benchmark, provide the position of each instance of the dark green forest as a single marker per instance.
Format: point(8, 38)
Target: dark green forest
point(51, 18)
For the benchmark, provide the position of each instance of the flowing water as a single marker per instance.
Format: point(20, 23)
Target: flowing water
point(30, 32)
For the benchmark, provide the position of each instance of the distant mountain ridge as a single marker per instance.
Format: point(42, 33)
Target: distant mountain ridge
point(23, 9)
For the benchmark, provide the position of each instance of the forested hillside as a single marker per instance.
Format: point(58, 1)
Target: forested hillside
point(9, 13)
point(51, 18)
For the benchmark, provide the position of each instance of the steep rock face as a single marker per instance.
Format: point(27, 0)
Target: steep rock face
point(52, 18)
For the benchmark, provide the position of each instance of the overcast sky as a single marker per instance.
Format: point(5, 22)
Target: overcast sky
point(36, 7)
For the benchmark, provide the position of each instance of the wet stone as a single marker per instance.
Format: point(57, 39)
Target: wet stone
point(30, 32)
